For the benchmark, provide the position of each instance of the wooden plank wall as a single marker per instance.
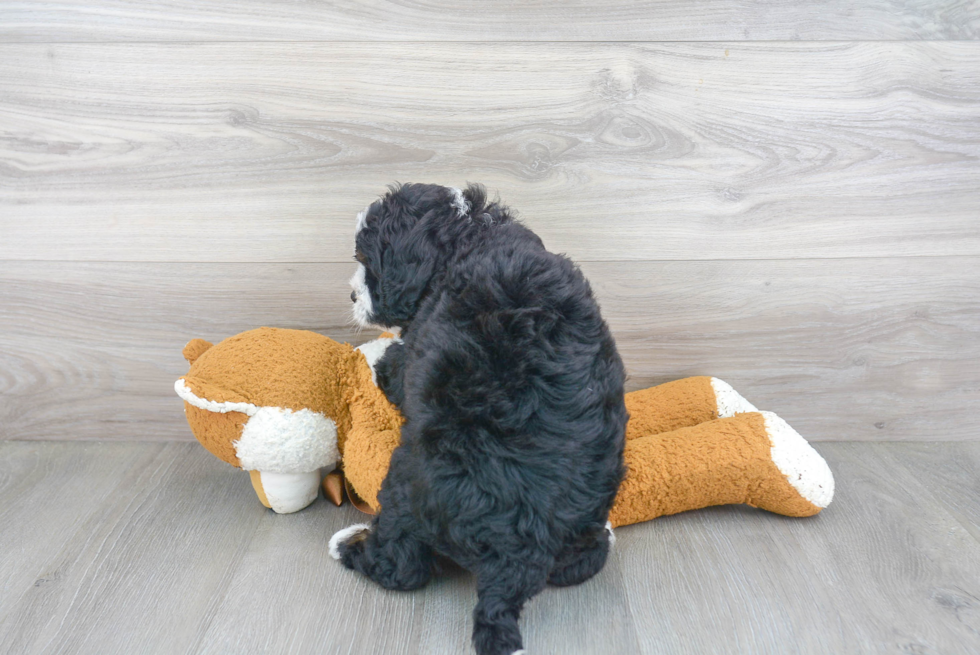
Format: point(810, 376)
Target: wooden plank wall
point(783, 195)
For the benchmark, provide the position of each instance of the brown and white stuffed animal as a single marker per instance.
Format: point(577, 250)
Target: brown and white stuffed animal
point(286, 404)
point(281, 404)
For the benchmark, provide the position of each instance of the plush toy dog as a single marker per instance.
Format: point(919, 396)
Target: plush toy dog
point(284, 404)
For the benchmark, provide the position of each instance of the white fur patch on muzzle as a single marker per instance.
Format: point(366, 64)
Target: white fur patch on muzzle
point(363, 308)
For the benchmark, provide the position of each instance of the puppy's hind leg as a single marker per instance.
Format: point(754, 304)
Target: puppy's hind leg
point(502, 589)
point(384, 552)
point(582, 559)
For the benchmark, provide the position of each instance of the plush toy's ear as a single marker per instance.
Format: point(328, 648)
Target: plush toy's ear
point(195, 348)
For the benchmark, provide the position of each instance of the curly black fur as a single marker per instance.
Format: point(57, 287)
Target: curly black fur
point(512, 390)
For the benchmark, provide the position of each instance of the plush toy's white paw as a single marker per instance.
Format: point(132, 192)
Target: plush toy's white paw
point(341, 536)
point(612, 535)
point(730, 402)
point(290, 492)
point(803, 467)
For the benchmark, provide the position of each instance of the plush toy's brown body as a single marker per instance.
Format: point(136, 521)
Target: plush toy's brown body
point(687, 446)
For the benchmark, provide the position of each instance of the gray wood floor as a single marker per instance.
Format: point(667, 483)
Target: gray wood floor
point(160, 548)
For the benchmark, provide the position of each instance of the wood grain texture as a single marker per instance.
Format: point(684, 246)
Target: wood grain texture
point(172, 553)
point(884, 569)
point(471, 20)
point(142, 570)
point(253, 152)
point(299, 600)
point(844, 349)
point(288, 574)
point(949, 472)
point(36, 481)
point(93, 350)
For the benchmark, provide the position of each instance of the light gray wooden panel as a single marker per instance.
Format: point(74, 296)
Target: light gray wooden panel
point(299, 600)
point(92, 350)
point(845, 349)
point(951, 473)
point(265, 152)
point(593, 617)
point(47, 494)
point(144, 571)
point(884, 569)
point(170, 552)
point(468, 20)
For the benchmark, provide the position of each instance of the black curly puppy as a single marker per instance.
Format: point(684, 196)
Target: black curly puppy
point(512, 391)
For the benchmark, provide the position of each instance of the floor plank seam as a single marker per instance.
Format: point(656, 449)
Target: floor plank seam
point(483, 42)
point(185, 262)
point(968, 526)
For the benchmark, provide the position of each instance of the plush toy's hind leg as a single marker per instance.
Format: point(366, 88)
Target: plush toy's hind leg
point(754, 458)
point(681, 404)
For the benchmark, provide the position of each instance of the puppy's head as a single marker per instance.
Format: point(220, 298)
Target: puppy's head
point(404, 241)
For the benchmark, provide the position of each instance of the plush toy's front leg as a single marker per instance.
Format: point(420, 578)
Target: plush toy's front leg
point(375, 429)
point(754, 458)
point(681, 404)
point(366, 458)
point(286, 492)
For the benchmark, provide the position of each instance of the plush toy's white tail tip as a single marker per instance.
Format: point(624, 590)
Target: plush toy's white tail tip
point(341, 536)
point(803, 466)
point(730, 402)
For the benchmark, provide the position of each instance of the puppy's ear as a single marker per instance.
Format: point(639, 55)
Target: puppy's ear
point(476, 196)
point(409, 265)
point(483, 208)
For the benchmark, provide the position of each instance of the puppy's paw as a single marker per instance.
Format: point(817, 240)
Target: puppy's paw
point(375, 350)
point(342, 540)
point(497, 639)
